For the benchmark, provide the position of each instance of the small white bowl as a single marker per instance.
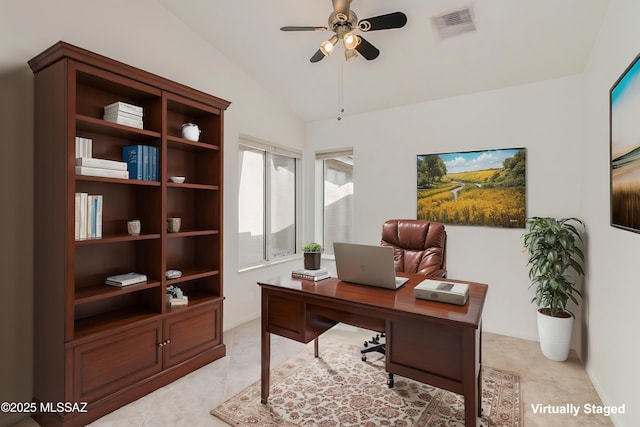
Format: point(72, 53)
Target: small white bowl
point(177, 179)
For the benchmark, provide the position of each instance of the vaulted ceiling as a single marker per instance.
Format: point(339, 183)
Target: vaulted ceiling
point(514, 42)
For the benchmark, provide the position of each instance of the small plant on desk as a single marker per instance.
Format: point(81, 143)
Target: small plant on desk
point(312, 253)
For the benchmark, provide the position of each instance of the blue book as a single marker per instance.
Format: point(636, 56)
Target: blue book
point(132, 155)
point(145, 163)
point(153, 163)
point(156, 164)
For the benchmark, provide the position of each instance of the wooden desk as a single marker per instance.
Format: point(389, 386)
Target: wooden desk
point(431, 342)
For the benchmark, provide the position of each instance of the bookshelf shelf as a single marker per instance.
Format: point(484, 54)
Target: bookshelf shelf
point(117, 180)
point(98, 292)
point(193, 274)
point(185, 144)
point(108, 345)
point(106, 322)
point(92, 124)
point(117, 239)
point(194, 186)
point(196, 299)
point(192, 233)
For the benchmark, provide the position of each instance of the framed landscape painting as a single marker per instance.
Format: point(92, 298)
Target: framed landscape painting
point(625, 149)
point(486, 188)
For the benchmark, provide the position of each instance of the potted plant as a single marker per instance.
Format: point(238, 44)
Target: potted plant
point(312, 252)
point(555, 261)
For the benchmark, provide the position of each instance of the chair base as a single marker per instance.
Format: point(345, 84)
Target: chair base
point(378, 348)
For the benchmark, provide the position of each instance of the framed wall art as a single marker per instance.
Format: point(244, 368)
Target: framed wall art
point(624, 118)
point(485, 188)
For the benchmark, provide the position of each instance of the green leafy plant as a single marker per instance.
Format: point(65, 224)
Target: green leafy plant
point(553, 247)
point(312, 247)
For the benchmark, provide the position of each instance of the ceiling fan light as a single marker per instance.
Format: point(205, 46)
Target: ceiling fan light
point(350, 40)
point(327, 46)
point(350, 54)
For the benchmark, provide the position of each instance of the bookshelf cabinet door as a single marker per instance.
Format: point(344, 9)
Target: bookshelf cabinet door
point(106, 365)
point(193, 332)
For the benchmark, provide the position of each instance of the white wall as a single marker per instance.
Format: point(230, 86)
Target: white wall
point(567, 159)
point(544, 117)
point(612, 286)
point(143, 34)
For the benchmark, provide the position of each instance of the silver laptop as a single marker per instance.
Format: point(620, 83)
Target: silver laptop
point(367, 265)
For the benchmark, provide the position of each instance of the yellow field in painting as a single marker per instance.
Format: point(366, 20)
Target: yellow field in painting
point(474, 176)
point(499, 207)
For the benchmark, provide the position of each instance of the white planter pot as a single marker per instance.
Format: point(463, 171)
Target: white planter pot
point(555, 336)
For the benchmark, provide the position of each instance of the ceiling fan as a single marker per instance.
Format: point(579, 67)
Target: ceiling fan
point(342, 21)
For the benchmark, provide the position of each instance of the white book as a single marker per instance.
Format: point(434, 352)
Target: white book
point(101, 163)
point(82, 223)
point(125, 121)
point(314, 278)
point(322, 271)
point(123, 106)
point(77, 217)
point(126, 279)
point(114, 114)
point(179, 301)
point(109, 173)
point(84, 147)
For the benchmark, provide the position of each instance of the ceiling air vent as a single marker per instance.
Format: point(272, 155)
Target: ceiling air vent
point(456, 22)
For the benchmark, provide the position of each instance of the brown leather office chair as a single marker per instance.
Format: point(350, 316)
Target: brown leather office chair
point(419, 247)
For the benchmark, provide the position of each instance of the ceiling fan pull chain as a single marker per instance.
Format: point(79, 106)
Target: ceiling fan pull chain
point(340, 93)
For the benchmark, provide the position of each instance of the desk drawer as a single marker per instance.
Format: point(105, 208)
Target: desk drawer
point(426, 352)
point(288, 317)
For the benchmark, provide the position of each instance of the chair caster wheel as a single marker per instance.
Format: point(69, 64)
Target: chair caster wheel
point(366, 344)
point(390, 383)
point(364, 358)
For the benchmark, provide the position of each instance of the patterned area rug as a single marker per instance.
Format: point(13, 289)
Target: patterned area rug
point(338, 389)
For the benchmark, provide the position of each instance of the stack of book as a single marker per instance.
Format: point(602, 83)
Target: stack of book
point(175, 296)
point(141, 162)
point(315, 275)
point(88, 216)
point(126, 279)
point(101, 167)
point(124, 114)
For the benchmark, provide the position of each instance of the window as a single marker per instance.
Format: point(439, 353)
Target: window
point(337, 189)
point(268, 203)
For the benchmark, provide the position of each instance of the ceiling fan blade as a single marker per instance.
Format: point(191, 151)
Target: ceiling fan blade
point(366, 49)
point(318, 56)
point(383, 22)
point(295, 28)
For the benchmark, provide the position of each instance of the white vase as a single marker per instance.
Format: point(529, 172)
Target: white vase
point(555, 336)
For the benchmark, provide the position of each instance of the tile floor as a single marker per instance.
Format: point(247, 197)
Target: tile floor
point(187, 401)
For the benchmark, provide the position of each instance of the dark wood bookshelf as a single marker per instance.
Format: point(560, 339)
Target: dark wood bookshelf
point(103, 344)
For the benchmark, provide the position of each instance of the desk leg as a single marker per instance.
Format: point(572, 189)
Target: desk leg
point(470, 372)
point(315, 347)
point(266, 362)
point(479, 344)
